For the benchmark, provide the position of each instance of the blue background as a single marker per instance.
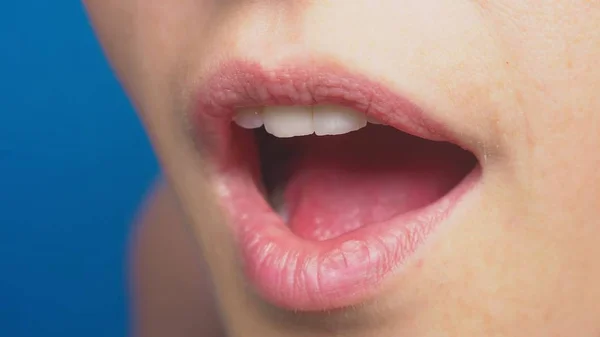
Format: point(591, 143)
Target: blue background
point(74, 163)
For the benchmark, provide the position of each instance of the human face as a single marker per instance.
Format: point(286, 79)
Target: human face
point(504, 242)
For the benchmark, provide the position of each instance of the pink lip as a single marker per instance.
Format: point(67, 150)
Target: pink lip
point(285, 270)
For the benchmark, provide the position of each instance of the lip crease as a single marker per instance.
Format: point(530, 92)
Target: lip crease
point(285, 270)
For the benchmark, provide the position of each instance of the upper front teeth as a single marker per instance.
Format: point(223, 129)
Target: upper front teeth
point(336, 120)
point(291, 121)
point(288, 121)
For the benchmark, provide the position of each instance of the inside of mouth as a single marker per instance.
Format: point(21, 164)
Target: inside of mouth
point(327, 186)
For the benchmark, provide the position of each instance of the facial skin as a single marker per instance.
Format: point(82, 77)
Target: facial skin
point(518, 79)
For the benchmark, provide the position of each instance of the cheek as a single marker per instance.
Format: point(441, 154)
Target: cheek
point(551, 49)
point(145, 40)
point(114, 27)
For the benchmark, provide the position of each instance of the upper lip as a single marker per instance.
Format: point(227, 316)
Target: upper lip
point(243, 84)
point(376, 252)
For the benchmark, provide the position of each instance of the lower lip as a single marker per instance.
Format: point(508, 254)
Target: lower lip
point(301, 275)
point(285, 270)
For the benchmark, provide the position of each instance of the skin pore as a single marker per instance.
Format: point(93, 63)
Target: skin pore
point(517, 80)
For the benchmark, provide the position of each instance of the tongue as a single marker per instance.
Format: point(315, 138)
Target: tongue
point(341, 184)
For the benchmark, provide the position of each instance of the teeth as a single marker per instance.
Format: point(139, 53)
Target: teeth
point(249, 118)
point(288, 121)
point(292, 121)
point(374, 121)
point(336, 120)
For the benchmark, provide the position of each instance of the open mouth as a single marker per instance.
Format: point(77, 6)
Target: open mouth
point(326, 171)
point(326, 195)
